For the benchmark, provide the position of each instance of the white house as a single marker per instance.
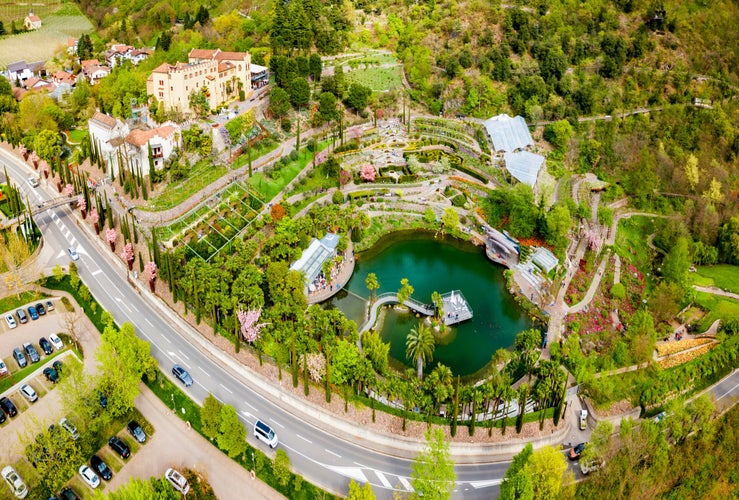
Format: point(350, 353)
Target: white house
point(21, 70)
point(93, 71)
point(32, 22)
point(119, 144)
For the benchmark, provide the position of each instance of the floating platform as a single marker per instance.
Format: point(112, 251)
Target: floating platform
point(456, 308)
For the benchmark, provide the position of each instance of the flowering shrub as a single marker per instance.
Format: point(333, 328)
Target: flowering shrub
point(678, 346)
point(68, 190)
point(249, 327)
point(684, 357)
point(111, 235)
point(316, 366)
point(367, 173)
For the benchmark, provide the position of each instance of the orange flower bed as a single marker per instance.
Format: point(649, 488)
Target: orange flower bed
point(684, 357)
point(676, 346)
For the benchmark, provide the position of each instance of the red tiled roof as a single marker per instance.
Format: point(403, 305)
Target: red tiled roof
point(224, 66)
point(162, 68)
point(103, 119)
point(89, 62)
point(202, 54)
point(71, 42)
point(140, 138)
point(231, 56)
point(34, 18)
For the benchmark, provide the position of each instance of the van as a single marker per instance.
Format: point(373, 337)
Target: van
point(264, 432)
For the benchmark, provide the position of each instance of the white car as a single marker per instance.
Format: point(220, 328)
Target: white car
point(56, 341)
point(583, 419)
point(89, 476)
point(10, 321)
point(33, 181)
point(15, 483)
point(3, 368)
point(73, 253)
point(29, 393)
point(177, 480)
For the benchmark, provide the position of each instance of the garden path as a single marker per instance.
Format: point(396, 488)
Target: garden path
point(716, 291)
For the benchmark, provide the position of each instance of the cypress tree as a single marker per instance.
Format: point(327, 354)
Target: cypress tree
point(108, 214)
point(455, 409)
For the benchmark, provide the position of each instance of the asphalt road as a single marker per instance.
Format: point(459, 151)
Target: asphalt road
point(322, 458)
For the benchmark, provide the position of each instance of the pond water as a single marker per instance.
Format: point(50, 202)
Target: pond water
point(440, 265)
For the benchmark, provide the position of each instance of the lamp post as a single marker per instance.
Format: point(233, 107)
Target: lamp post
point(174, 408)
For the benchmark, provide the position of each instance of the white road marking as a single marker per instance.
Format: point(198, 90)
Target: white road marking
point(166, 338)
point(304, 439)
point(226, 389)
point(134, 307)
point(485, 483)
point(118, 299)
point(406, 484)
point(95, 273)
point(206, 373)
point(331, 452)
point(727, 392)
point(383, 479)
point(351, 472)
point(278, 424)
point(148, 322)
point(184, 355)
point(250, 406)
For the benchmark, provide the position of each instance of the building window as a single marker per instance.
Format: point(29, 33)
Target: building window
point(187, 88)
point(161, 94)
point(161, 82)
point(171, 89)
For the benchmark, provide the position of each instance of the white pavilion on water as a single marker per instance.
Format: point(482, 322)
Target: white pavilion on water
point(456, 308)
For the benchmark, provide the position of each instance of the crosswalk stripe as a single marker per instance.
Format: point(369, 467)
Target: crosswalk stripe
point(383, 479)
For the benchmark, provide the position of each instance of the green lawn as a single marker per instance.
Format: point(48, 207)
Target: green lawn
point(377, 79)
point(267, 188)
point(77, 135)
point(12, 302)
point(718, 307)
point(723, 276)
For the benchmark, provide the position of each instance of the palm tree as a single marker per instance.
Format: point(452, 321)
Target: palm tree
point(372, 285)
point(419, 346)
point(438, 305)
point(507, 394)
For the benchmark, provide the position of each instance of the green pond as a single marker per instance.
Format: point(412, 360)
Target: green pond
point(440, 265)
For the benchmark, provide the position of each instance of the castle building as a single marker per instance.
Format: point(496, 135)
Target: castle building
point(219, 75)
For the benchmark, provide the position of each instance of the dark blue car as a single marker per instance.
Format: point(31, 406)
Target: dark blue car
point(33, 313)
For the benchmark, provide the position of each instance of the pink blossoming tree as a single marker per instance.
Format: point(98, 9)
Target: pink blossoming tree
point(82, 205)
point(111, 236)
point(249, 327)
point(151, 271)
point(58, 182)
point(95, 218)
point(68, 190)
point(367, 173)
point(128, 255)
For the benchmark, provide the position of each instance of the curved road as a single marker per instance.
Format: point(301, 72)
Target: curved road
point(324, 459)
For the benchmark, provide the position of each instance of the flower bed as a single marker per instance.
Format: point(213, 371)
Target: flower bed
point(673, 347)
point(684, 357)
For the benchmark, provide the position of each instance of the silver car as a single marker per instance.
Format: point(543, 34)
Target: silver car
point(29, 393)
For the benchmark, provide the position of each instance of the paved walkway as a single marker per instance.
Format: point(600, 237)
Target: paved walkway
point(716, 291)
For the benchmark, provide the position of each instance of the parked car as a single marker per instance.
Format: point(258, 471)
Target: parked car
point(28, 393)
point(32, 352)
point(10, 321)
point(101, 467)
point(68, 426)
point(136, 431)
point(576, 451)
point(22, 316)
point(8, 407)
point(89, 476)
point(119, 446)
point(33, 313)
point(45, 346)
point(49, 305)
point(3, 418)
point(177, 480)
point(51, 375)
point(182, 375)
point(33, 181)
point(19, 357)
point(103, 399)
point(40, 309)
point(68, 494)
point(583, 419)
point(73, 253)
point(56, 341)
point(14, 481)
point(658, 418)
point(264, 432)
point(3, 368)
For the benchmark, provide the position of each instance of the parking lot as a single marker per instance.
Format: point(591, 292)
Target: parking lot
point(172, 444)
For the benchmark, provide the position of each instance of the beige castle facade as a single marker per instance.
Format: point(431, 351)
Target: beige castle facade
point(221, 74)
